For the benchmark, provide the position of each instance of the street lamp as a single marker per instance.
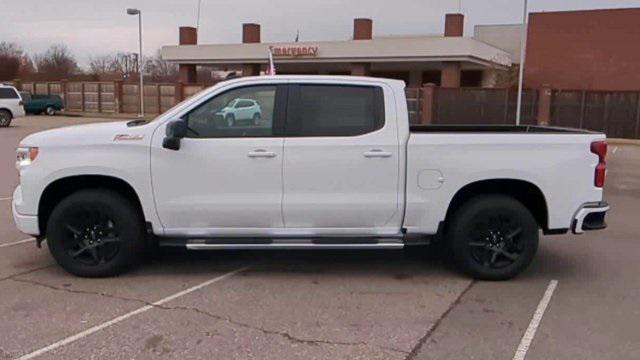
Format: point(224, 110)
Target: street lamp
point(523, 51)
point(131, 11)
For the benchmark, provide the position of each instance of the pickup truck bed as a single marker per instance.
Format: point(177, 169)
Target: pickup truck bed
point(527, 129)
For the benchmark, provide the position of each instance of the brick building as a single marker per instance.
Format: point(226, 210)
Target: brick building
point(447, 59)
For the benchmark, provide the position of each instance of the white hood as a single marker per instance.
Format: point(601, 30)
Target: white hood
point(89, 134)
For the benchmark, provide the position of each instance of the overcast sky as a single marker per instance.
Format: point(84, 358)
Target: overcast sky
point(97, 27)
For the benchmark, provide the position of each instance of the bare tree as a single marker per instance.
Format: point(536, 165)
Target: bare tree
point(57, 62)
point(101, 65)
point(160, 70)
point(13, 61)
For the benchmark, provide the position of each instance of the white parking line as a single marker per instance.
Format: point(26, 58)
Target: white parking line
point(6, 198)
point(527, 338)
point(615, 148)
point(17, 242)
point(118, 319)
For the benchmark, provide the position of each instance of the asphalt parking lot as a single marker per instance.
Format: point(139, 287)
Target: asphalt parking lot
point(326, 305)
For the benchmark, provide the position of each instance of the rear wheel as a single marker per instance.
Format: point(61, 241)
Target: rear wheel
point(493, 237)
point(5, 118)
point(95, 233)
point(256, 119)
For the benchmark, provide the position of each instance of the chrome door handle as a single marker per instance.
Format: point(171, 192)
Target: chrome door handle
point(261, 153)
point(377, 153)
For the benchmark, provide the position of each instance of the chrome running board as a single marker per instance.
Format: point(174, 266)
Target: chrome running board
point(295, 244)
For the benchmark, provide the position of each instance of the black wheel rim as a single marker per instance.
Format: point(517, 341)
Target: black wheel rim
point(496, 241)
point(91, 238)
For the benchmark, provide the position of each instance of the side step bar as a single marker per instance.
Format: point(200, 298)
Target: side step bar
point(294, 246)
point(290, 243)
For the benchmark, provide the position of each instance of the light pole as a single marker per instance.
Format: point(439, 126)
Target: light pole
point(131, 11)
point(523, 51)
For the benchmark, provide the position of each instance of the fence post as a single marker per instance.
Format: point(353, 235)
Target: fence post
point(159, 98)
point(99, 97)
point(48, 88)
point(605, 116)
point(637, 132)
point(117, 96)
point(583, 107)
point(63, 91)
point(178, 93)
point(82, 108)
point(506, 105)
point(544, 106)
point(428, 103)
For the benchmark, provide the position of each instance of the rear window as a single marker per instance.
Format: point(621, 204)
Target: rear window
point(335, 110)
point(8, 93)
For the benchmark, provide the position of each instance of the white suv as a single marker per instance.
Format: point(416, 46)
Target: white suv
point(10, 105)
point(241, 109)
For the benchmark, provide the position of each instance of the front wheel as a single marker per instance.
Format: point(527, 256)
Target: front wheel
point(493, 237)
point(95, 233)
point(5, 118)
point(50, 110)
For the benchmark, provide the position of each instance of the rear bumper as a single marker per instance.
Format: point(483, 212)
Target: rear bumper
point(590, 217)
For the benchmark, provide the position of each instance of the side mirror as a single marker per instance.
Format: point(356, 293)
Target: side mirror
point(176, 130)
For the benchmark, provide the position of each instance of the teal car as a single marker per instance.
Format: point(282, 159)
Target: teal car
point(38, 104)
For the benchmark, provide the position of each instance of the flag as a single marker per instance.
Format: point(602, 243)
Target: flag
point(297, 36)
point(271, 70)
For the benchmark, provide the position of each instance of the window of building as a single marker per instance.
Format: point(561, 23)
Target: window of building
point(8, 93)
point(242, 112)
point(334, 110)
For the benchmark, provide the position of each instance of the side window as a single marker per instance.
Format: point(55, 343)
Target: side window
point(219, 118)
point(335, 110)
point(8, 93)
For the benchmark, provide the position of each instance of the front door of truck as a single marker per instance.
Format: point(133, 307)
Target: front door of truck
point(226, 179)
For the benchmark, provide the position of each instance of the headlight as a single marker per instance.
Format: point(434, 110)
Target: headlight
point(25, 156)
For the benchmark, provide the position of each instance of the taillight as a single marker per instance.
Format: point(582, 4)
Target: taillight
point(600, 148)
point(20, 103)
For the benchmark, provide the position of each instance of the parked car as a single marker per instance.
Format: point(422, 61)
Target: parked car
point(340, 167)
point(10, 105)
point(241, 110)
point(38, 104)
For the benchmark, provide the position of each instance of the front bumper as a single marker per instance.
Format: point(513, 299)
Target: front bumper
point(28, 224)
point(590, 217)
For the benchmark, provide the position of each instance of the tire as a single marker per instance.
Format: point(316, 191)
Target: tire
point(256, 119)
point(5, 118)
point(230, 120)
point(493, 237)
point(95, 233)
point(50, 111)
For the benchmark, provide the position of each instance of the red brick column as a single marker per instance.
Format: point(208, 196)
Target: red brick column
point(362, 29)
point(428, 103)
point(251, 35)
point(187, 72)
point(360, 69)
point(544, 105)
point(451, 70)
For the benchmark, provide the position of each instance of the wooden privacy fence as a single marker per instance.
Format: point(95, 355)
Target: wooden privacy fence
point(113, 96)
point(617, 113)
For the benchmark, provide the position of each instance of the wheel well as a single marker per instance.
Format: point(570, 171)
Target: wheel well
point(525, 192)
point(7, 110)
point(61, 188)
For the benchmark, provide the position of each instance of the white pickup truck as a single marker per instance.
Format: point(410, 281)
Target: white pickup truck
point(332, 164)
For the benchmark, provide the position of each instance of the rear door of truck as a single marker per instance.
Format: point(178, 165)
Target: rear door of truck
point(341, 158)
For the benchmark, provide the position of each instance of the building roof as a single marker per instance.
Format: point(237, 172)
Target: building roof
point(381, 49)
